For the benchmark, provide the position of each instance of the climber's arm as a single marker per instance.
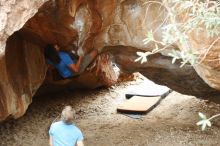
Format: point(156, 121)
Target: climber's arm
point(75, 67)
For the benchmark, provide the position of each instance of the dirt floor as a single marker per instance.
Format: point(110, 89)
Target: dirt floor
point(171, 123)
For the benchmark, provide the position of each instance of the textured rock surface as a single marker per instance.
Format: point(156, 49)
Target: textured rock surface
point(22, 72)
point(13, 15)
point(160, 70)
point(209, 69)
point(16, 88)
point(98, 24)
point(116, 26)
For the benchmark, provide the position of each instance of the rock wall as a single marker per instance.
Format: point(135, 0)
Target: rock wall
point(115, 26)
point(14, 14)
point(16, 91)
point(22, 63)
point(100, 23)
point(22, 72)
point(159, 68)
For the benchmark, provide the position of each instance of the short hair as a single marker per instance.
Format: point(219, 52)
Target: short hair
point(67, 115)
point(51, 54)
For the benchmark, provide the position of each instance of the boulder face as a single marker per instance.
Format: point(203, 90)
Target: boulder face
point(22, 64)
point(22, 73)
point(109, 26)
point(159, 68)
point(14, 14)
point(16, 88)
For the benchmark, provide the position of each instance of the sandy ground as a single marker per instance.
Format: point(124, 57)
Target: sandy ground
point(171, 123)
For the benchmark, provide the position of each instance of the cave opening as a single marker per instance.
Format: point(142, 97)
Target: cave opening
point(107, 27)
point(89, 27)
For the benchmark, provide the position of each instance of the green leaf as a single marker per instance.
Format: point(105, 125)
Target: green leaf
point(204, 122)
point(142, 56)
point(150, 35)
point(140, 53)
point(174, 60)
point(202, 116)
point(144, 59)
point(208, 123)
point(200, 123)
point(146, 41)
point(138, 59)
point(203, 126)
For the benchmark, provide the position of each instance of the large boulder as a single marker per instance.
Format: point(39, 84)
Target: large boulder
point(110, 26)
point(18, 79)
point(22, 64)
point(13, 15)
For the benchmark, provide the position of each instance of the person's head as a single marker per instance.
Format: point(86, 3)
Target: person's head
point(71, 47)
point(67, 115)
point(51, 53)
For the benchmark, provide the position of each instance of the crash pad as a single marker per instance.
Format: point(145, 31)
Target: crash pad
point(139, 104)
point(147, 88)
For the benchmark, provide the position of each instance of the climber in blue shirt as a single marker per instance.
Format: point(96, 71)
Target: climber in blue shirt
point(67, 66)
